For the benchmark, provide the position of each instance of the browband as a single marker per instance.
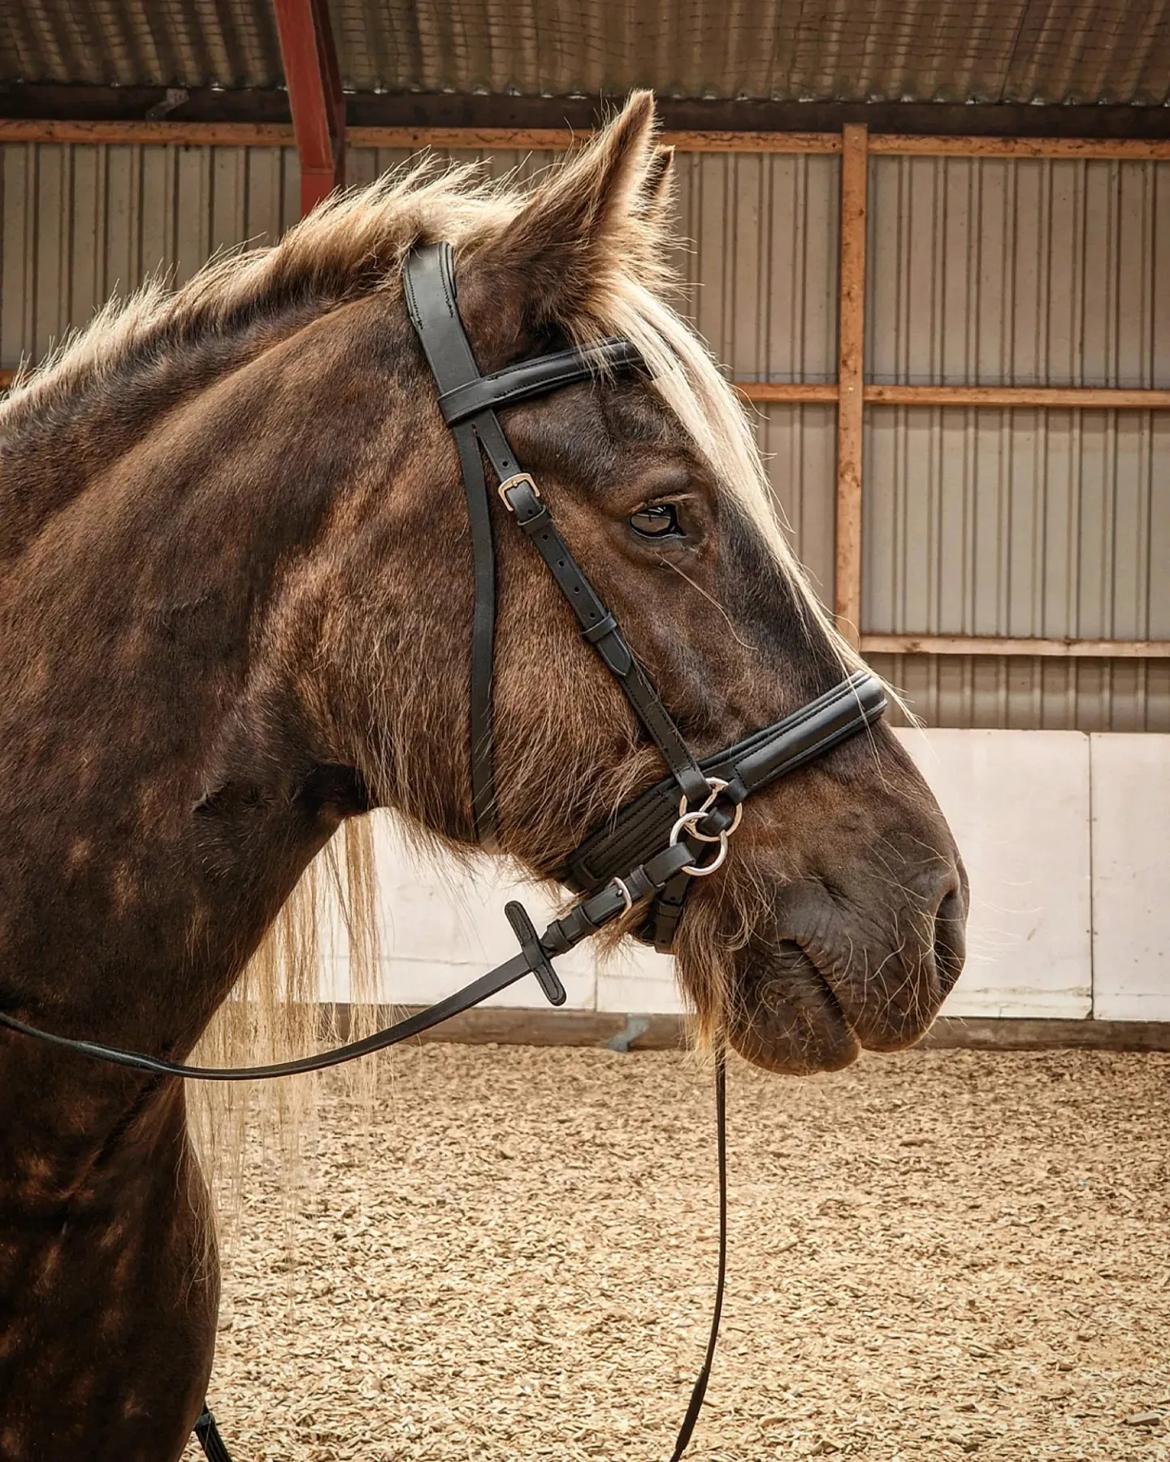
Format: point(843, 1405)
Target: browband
point(528, 378)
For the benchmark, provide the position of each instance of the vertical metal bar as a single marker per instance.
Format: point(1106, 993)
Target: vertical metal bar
point(850, 368)
point(314, 94)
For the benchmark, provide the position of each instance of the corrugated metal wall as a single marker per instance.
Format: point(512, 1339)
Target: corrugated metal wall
point(761, 270)
point(1023, 522)
point(80, 223)
point(980, 272)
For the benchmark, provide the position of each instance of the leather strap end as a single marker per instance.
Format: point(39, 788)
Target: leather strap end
point(537, 960)
point(663, 924)
point(606, 638)
point(616, 654)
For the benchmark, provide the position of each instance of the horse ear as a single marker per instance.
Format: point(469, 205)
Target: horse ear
point(657, 194)
point(595, 214)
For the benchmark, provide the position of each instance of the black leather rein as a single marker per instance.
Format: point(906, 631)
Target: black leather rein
point(651, 851)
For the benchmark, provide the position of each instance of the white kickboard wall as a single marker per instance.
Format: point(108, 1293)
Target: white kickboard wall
point(1063, 835)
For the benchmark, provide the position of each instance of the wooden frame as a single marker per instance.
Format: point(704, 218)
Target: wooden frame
point(552, 139)
point(850, 379)
point(797, 393)
point(1068, 649)
point(850, 394)
point(1093, 149)
point(474, 139)
point(511, 1026)
point(1075, 398)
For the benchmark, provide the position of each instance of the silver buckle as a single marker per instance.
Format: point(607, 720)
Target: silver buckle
point(620, 886)
point(515, 480)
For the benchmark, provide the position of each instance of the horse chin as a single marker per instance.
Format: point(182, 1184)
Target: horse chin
point(784, 1016)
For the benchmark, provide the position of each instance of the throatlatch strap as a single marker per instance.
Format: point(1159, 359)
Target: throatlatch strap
point(430, 302)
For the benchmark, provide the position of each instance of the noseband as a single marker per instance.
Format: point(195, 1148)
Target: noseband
point(649, 853)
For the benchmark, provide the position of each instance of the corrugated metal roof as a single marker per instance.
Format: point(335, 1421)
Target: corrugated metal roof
point(1053, 51)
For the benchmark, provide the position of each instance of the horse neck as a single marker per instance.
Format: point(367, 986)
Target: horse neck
point(162, 780)
point(77, 419)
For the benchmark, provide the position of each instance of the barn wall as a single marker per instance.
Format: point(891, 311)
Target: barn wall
point(983, 272)
point(81, 223)
point(1029, 523)
point(760, 266)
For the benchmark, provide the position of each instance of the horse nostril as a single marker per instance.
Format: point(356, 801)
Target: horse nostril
point(949, 941)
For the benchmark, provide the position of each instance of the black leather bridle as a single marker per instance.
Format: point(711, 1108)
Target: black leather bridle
point(646, 855)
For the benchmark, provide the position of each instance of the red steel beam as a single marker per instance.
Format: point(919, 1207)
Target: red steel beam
point(315, 96)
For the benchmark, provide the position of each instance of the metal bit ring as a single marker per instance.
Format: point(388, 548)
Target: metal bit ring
point(687, 822)
point(716, 785)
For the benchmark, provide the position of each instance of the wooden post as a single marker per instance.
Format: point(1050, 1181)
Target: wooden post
point(850, 385)
point(315, 96)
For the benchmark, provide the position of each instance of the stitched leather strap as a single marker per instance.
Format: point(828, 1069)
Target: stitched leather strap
point(467, 400)
point(600, 628)
point(536, 377)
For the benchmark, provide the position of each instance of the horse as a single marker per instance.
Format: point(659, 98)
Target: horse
point(236, 609)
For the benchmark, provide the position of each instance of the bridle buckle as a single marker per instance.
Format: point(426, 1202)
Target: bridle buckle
point(517, 479)
point(622, 888)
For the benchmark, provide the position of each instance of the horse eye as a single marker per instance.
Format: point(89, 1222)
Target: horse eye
point(659, 521)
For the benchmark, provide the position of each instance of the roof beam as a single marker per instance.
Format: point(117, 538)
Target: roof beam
point(275, 134)
point(315, 96)
point(419, 111)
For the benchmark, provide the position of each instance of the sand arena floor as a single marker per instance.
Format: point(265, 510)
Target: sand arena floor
point(935, 1256)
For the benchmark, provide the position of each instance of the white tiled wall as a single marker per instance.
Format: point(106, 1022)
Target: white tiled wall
point(1131, 877)
point(1018, 805)
point(1065, 840)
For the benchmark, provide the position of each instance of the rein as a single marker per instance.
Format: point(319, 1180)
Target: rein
point(650, 852)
